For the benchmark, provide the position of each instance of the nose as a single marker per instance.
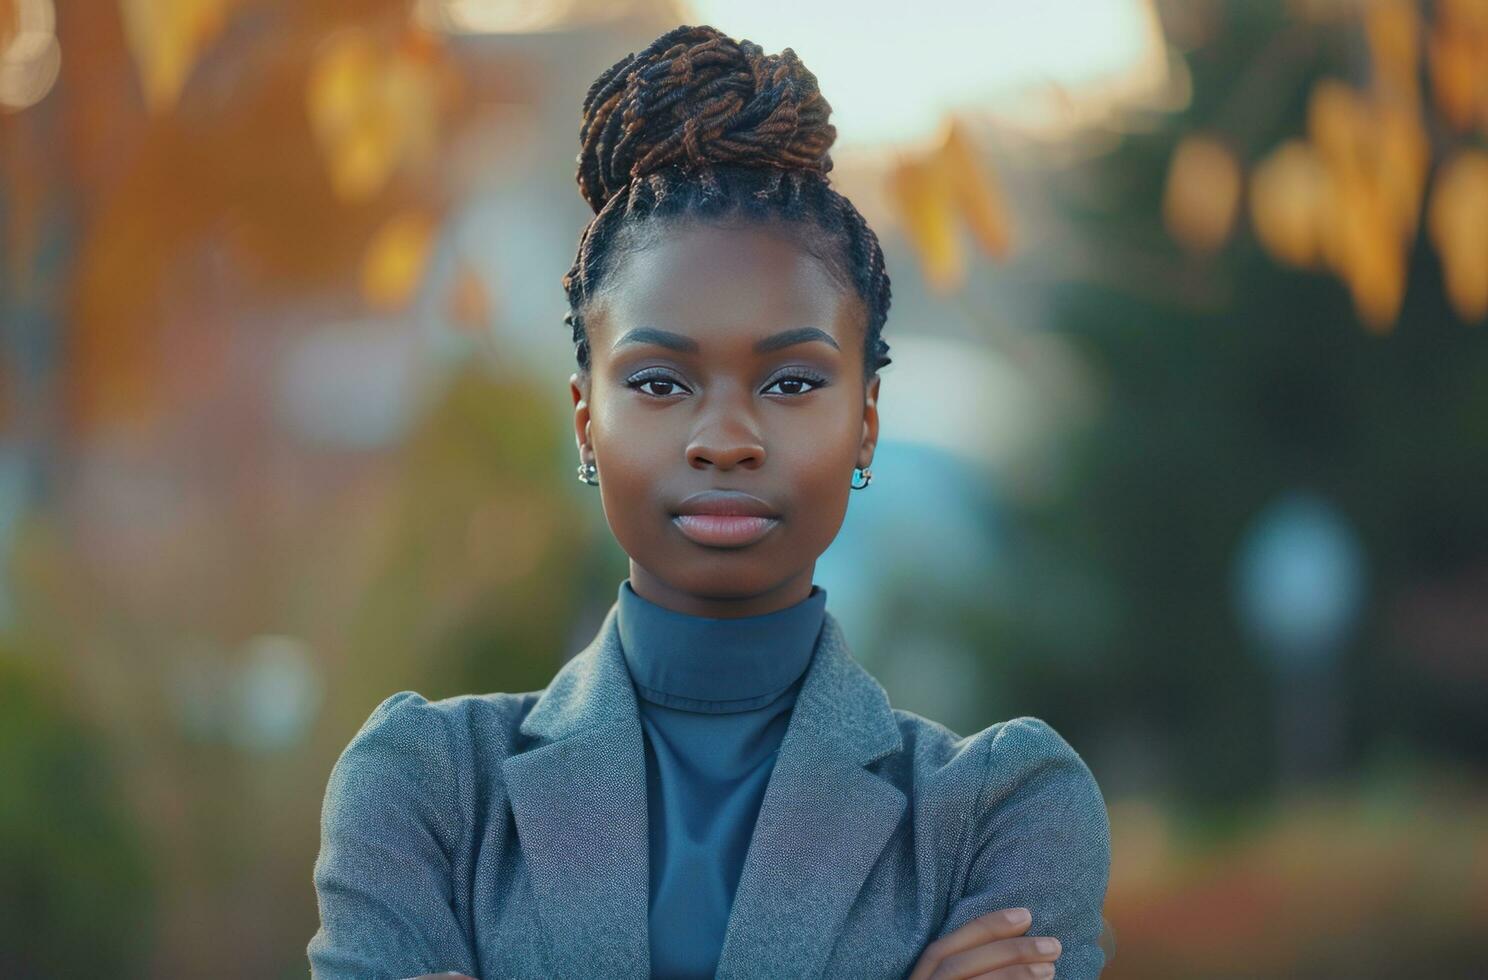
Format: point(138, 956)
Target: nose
point(726, 439)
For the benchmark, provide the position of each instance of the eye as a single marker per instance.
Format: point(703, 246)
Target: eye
point(658, 378)
point(792, 382)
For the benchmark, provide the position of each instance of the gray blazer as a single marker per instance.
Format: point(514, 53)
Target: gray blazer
point(504, 835)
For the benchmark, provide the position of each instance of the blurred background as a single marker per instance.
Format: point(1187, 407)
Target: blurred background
point(1184, 446)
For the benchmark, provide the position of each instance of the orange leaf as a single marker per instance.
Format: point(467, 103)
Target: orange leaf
point(1202, 193)
point(1288, 199)
point(1393, 28)
point(1458, 226)
point(1368, 253)
point(1454, 78)
point(1402, 158)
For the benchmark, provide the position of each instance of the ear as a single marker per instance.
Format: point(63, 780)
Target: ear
point(578, 387)
point(870, 424)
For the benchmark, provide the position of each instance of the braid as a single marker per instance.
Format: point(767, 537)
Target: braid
point(699, 126)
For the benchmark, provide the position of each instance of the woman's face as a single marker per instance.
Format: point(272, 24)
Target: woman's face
point(724, 358)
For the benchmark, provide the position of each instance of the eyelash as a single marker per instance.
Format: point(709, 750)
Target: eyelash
point(797, 374)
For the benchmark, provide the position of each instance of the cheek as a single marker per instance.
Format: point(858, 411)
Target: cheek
point(628, 474)
point(627, 436)
point(821, 457)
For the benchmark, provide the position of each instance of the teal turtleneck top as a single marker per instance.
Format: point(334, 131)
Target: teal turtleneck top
point(715, 697)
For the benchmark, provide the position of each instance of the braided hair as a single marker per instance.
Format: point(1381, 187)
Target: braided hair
point(700, 126)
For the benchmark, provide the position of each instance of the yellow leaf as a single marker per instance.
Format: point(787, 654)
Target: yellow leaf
point(395, 259)
point(166, 38)
point(1202, 194)
point(1458, 227)
point(341, 80)
point(372, 108)
point(975, 189)
point(923, 204)
point(1288, 199)
point(1338, 125)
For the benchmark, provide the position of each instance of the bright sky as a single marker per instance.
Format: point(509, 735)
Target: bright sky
point(886, 67)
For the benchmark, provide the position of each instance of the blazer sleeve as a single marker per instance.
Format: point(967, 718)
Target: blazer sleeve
point(1041, 840)
point(390, 830)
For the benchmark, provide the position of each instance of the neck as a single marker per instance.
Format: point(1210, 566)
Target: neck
point(781, 596)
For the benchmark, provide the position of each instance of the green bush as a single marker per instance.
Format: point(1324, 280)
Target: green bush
point(75, 896)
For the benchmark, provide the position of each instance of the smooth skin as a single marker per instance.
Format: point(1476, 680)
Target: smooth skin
point(787, 424)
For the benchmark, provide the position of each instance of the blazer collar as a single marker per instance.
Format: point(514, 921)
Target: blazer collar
point(578, 794)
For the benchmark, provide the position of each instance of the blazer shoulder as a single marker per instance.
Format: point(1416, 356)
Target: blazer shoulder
point(1035, 786)
point(1021, 735)
point(483, 725)
point(447, 740)
point(933, 746)
point(1026, 754)
point(986, 771)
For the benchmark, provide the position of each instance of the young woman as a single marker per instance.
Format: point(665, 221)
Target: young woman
point(714, 786)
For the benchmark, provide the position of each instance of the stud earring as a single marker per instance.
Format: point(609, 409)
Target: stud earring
point(867, 478)
point(589, 473)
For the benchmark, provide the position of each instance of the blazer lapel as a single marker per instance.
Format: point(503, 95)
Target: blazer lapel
point(578, 795)
point(579, 799)
point(822, 825)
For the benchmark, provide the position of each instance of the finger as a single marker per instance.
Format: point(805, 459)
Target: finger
point(1036, 971)
point(999, 955)
point(1001, 924)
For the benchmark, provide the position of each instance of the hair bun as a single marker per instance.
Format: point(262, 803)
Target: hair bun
point(694, 97)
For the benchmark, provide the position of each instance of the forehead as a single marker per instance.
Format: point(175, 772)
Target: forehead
point(724, 282)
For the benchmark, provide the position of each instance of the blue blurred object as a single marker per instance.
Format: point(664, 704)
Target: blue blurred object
point(1300, 579)
point(918, 543)
point(279, 692)
point(1299, 586)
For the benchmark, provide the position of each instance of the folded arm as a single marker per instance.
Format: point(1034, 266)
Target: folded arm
point(390, 829)
point(1041, 841)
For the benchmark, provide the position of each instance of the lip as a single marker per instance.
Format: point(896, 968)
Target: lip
point(724, 518)
point(726, 503)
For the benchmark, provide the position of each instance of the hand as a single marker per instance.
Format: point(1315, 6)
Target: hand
point(989, 947)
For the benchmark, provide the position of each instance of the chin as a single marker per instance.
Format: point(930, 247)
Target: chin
point(716, 574)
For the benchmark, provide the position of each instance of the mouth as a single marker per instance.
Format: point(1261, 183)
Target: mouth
point(725, 518)
point(724, 530)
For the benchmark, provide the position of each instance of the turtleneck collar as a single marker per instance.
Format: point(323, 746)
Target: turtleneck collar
point(711, 664)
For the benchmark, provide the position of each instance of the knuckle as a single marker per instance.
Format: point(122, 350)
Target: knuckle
point(958, 965)
point(981, 928)
point(1030, 948)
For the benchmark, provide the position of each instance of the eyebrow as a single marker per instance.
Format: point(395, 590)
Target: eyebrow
point(677, 342)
